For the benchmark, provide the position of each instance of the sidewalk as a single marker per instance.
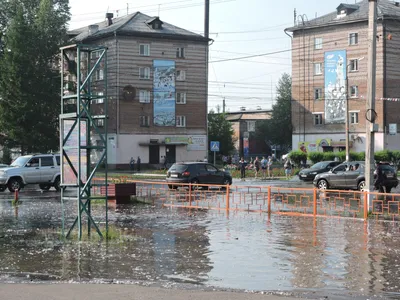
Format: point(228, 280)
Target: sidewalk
point(118, 292)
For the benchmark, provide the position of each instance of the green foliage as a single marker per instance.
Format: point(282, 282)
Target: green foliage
point(278, 129)
point(297, 157)
point(220, 129)
point(384, 155)
point(357, 156)
point(33, 31)
point(395, 157)
point(341, 155)
point(329, 155)
point(6, 159)
point(316, 157)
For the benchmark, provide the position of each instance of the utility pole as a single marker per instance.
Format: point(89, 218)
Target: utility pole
point(346, 117)
point(206, 35)
point(127, 9)
point(223, 105)
point(370, 115)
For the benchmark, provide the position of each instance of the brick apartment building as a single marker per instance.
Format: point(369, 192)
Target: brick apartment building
point(330, 50)
point(157, 86)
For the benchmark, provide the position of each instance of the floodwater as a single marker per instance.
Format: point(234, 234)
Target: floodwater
point(341, 258)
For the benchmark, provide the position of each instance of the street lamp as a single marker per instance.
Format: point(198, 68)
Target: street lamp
point(346, 117)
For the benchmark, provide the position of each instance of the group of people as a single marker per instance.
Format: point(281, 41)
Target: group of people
point(265, 165)
point(132, 164)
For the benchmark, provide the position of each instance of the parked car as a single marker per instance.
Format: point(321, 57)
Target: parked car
point(351, 175)
point(197, 173)
point(320, 167)
point(42, 169)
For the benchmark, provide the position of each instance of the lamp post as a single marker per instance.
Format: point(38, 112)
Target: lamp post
point(346, 117)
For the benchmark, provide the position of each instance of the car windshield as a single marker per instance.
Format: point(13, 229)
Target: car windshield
point(178, 168)
point(20, 161)
point(319, 165)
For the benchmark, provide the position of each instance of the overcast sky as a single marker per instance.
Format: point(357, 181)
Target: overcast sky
point(238, 27)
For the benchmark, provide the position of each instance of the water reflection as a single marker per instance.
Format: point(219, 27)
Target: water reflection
point(208, 248)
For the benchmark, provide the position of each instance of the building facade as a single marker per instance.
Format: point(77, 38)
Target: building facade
point(157, 87)
point(329, 67)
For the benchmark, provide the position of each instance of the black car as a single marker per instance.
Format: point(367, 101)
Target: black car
point(351, 175)
point(320, 167)
point(197, 173)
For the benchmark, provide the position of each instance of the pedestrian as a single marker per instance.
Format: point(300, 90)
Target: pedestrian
point(256, 166)
point(269, 167)
point(264, 163)
point(138, 163)
point(132, 164)
point(164, 162)
point(288, 168)
point(378, 183)
point(242, 166)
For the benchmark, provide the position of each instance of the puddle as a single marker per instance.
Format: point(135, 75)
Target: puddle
point(204, 249)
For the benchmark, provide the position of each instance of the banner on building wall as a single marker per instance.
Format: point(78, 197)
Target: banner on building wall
point(335, 86)
point(307, 147)
point(323, 142)
point(197, 142)
point(246, 146)
point(393, 129)
point(164, 92)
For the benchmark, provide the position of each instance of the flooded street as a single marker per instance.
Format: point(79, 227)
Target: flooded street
point(203, 250)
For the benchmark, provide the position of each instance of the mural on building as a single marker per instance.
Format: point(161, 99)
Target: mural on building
point(335, 86)
point(164, 92)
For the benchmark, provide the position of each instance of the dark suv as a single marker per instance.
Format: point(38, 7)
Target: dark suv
point(320, 167)
point(351, 175)
point(197, 173)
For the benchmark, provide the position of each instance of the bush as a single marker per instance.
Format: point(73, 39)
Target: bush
point(297, 157)
point(384, 155)
point(395, 157)
point(329, 155)
point(316, 157)
point(341, 155)
point(357, 156)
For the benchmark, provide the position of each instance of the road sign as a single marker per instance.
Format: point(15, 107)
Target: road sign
point(214, 146)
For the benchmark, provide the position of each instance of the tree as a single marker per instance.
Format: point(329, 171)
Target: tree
point(32, 33)
point(219, 129)
point(278, 129)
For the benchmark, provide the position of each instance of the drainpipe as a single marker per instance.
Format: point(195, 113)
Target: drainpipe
point(384, 84)
point(118, 87)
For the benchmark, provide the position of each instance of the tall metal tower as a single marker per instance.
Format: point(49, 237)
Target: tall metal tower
point(83, 133)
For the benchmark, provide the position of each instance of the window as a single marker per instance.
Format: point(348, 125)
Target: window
point(353, 117)
point(353, 38)
point(317, 68)
point(180, 75)
point(180, 52)
point(58, 160)
point(180, 121)
point(144, 96)
point(99, 122)
point(95, 54)
point(144, 73)
point(99, 143)
point(211, 168)
point(251, 126)
point(181, 98)
point(99, 74)
point(99, 100)
point(318, 43)
point(317, 94)
point(144, 121)
point(317, 119)
point(354, 91)
point(144, 50)
point(353, 65)
point(47, 161)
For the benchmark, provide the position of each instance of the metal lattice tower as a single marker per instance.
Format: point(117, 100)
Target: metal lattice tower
point(83, 82)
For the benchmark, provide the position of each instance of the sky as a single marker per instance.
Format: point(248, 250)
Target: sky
point(238, 27)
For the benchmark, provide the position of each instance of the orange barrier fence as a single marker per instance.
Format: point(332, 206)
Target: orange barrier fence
point(270, 199)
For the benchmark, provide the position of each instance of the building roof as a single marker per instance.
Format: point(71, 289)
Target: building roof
point(252, 115)
point(356, 13)
point(136, 24)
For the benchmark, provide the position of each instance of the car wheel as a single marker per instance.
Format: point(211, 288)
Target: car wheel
point(195, 187)
point(322, 184)
point(14, 184)
point(44, 187)
point(361, 186)
point(57, 184)
point(2, 188)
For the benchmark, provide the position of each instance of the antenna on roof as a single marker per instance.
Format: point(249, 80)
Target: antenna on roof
point(294, 17)
point(159, 10)
point(127, 9)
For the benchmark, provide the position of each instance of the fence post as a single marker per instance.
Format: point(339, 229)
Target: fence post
point(190, 194)
point(366, 206)
point(315, 202)
point(227, 197)
point(269, 199)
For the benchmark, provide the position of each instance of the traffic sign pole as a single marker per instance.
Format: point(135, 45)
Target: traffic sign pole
point(214, 157)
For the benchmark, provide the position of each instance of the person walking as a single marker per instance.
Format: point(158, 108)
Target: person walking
point(288, 168)
point(164, 162)
point(132, 164)
point(380, 178)
point(256, 166)
point(138, 163)
point(269, 167)
point(242, 166)
point(264, 163)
